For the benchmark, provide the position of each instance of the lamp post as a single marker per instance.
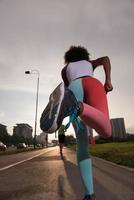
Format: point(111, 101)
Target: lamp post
point(37, 94)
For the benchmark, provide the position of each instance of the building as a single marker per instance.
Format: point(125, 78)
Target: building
point(4, 137)
point(3, 129)
point(42, 139)
point(23, 129)
point(118, 128)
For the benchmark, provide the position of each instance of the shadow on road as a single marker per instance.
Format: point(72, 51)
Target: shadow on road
point(74, 181)
point(74, 178)
point(72, 174)
point(61, 186)
point(77, 186)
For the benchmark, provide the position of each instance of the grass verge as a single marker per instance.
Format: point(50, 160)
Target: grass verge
point(121, 153)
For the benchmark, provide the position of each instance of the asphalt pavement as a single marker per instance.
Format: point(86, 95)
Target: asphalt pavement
point(43, 175)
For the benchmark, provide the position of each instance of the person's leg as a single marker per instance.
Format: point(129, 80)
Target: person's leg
point(61, 149)
point(60, 144)
point(83, 158)
point(95, 109)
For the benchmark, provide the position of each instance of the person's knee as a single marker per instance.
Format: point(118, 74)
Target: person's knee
point(82, 155)
point(107, 132)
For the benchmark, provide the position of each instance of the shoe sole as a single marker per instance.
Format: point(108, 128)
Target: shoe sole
point(57, 96)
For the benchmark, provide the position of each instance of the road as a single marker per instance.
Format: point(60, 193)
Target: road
point(43, 175)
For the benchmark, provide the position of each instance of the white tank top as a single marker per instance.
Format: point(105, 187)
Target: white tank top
point(79, 69)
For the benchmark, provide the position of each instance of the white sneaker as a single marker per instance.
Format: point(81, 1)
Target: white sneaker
point(62, 103)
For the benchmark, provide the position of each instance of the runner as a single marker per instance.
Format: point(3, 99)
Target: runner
point(85, 101)
point(61, 138)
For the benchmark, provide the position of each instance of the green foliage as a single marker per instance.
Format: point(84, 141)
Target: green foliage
point(21, 139)
point(118, 152)
point(70, 140)
point(4, 136)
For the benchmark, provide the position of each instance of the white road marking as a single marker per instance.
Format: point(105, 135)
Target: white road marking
point(17, 163)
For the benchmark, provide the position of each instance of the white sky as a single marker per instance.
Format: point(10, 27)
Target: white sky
point(34, 34)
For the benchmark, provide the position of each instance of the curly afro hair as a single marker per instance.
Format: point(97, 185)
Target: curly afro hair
point(76, 53)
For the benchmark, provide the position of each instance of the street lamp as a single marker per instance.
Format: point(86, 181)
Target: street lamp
point(37, 94)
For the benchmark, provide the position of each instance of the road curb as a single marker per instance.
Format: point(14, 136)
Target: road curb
point(114, 164)
point(107, 161)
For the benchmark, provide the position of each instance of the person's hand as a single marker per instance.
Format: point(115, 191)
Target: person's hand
point(108, 86)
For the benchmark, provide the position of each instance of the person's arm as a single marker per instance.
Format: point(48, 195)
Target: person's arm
point(105, 62)
point(64, 77)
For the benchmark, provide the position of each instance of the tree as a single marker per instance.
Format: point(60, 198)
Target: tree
point(70, 139)
point(4, 136)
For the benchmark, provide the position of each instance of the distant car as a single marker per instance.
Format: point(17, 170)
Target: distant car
point(31, 145)
point(3, 147)
point(21, 146)
point(51, 144)
point(38, 145)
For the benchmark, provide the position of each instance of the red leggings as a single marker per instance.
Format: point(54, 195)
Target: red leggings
point(95, 108)
point(90, 92)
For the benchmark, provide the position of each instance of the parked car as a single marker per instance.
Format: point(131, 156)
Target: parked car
point(38, 145)
point(3, 147)
point(21, 146)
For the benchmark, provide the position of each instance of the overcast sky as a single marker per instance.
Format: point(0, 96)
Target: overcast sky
point(34, 34)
